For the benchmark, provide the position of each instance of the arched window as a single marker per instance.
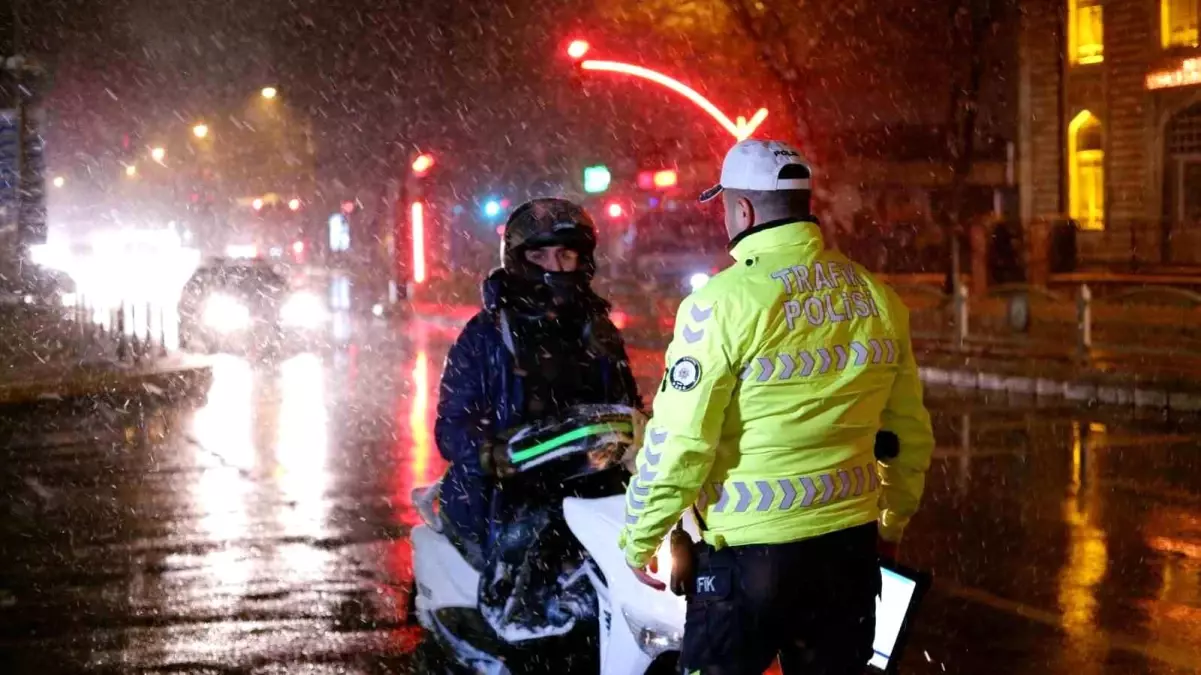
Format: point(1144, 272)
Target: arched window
point(1086, 172)
point(1178, 23)
point(1085, 32)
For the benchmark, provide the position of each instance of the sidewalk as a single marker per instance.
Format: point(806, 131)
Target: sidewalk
point(1161, 385)
point(44, 358)
point(1157, 381)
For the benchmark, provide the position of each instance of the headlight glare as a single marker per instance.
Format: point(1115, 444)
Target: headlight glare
point(302, 310)
point(225, 313)
point(652, 637)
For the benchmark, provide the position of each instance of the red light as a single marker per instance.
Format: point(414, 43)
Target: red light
point(646, 180)
point(422, 164)
point(664, 179)
point(294, 204)
point(257, 205)
point(348, 207)
point(615, 210)
point(577, 49)
point(500, 229)
point(298, 247)
point(417, 223)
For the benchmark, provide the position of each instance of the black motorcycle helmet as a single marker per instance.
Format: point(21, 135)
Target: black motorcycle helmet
point(549, 221)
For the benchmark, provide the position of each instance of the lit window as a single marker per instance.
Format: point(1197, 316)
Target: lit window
point(1086, 172)
point(1178, 23)
point(1085, 40)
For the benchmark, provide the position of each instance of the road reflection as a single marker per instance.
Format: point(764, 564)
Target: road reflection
point(301, 465)
point(224, 451)
point(1087, 553)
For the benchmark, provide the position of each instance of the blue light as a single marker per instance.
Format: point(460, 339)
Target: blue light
point(654, 201)
point(492, 208)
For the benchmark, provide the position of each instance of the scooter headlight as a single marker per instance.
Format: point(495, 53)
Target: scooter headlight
point(652, 637)
point(225, 313)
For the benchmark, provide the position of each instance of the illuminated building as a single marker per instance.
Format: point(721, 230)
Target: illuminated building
point(1110, 132)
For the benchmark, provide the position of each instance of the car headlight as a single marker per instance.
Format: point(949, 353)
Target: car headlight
point(225, 314)
point(652, 637)
point(698, 281)
point(302, 310)
point(68, 299)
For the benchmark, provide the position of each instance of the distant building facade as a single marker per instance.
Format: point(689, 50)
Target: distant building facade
point(1110, 126)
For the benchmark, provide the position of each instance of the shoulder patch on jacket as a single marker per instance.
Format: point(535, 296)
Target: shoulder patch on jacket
point(684, 374)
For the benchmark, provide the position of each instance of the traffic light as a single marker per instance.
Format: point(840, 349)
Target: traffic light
point(615, 210)
point(596, 179)
point(492, 208)
point(577, 49)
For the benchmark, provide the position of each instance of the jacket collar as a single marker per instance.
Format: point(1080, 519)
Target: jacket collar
point(774, 234)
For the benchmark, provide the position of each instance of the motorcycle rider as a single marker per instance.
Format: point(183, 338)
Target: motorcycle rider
point(542, 342)
point(781, 373)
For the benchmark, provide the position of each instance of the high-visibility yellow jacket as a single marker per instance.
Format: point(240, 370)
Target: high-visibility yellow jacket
point(781, 371)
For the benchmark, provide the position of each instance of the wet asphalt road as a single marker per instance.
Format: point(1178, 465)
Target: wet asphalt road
point(263, 531)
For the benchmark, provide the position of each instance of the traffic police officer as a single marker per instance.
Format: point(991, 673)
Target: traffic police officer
point(780, 374)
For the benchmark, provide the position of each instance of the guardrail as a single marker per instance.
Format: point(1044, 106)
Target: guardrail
point(131, 332)
point(1151, 321)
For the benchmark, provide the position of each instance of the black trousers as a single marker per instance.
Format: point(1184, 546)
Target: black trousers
point(810, 602)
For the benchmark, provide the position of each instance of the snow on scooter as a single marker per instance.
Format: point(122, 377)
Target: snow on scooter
point(585, 605)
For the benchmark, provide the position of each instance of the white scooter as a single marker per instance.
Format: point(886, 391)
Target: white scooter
point(631, 630)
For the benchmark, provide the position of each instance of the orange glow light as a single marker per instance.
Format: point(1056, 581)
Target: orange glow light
point(422, 164)
point(577, 49)
point(667, 178)
point(417, 222)
point(740, 130)
point(619, 318)
point(1188, 73)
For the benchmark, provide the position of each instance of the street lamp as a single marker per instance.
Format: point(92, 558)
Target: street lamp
point(59, 181)
point(158, 154)
point(131, 170)
point(269, 92)
point(200, 130)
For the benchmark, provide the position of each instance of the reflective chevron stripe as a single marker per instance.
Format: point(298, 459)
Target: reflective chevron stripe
point(820, 360)
point(655, 437)
point(781, 494)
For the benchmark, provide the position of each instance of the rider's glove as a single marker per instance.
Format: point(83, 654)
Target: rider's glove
point(494, 459)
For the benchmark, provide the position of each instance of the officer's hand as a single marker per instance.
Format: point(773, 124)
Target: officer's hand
point(644, 575)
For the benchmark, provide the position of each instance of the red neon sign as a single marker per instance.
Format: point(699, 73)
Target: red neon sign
point(417, 223)
point(741, 129)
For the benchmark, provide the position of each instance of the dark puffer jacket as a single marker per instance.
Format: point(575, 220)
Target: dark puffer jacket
point(483, 394)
